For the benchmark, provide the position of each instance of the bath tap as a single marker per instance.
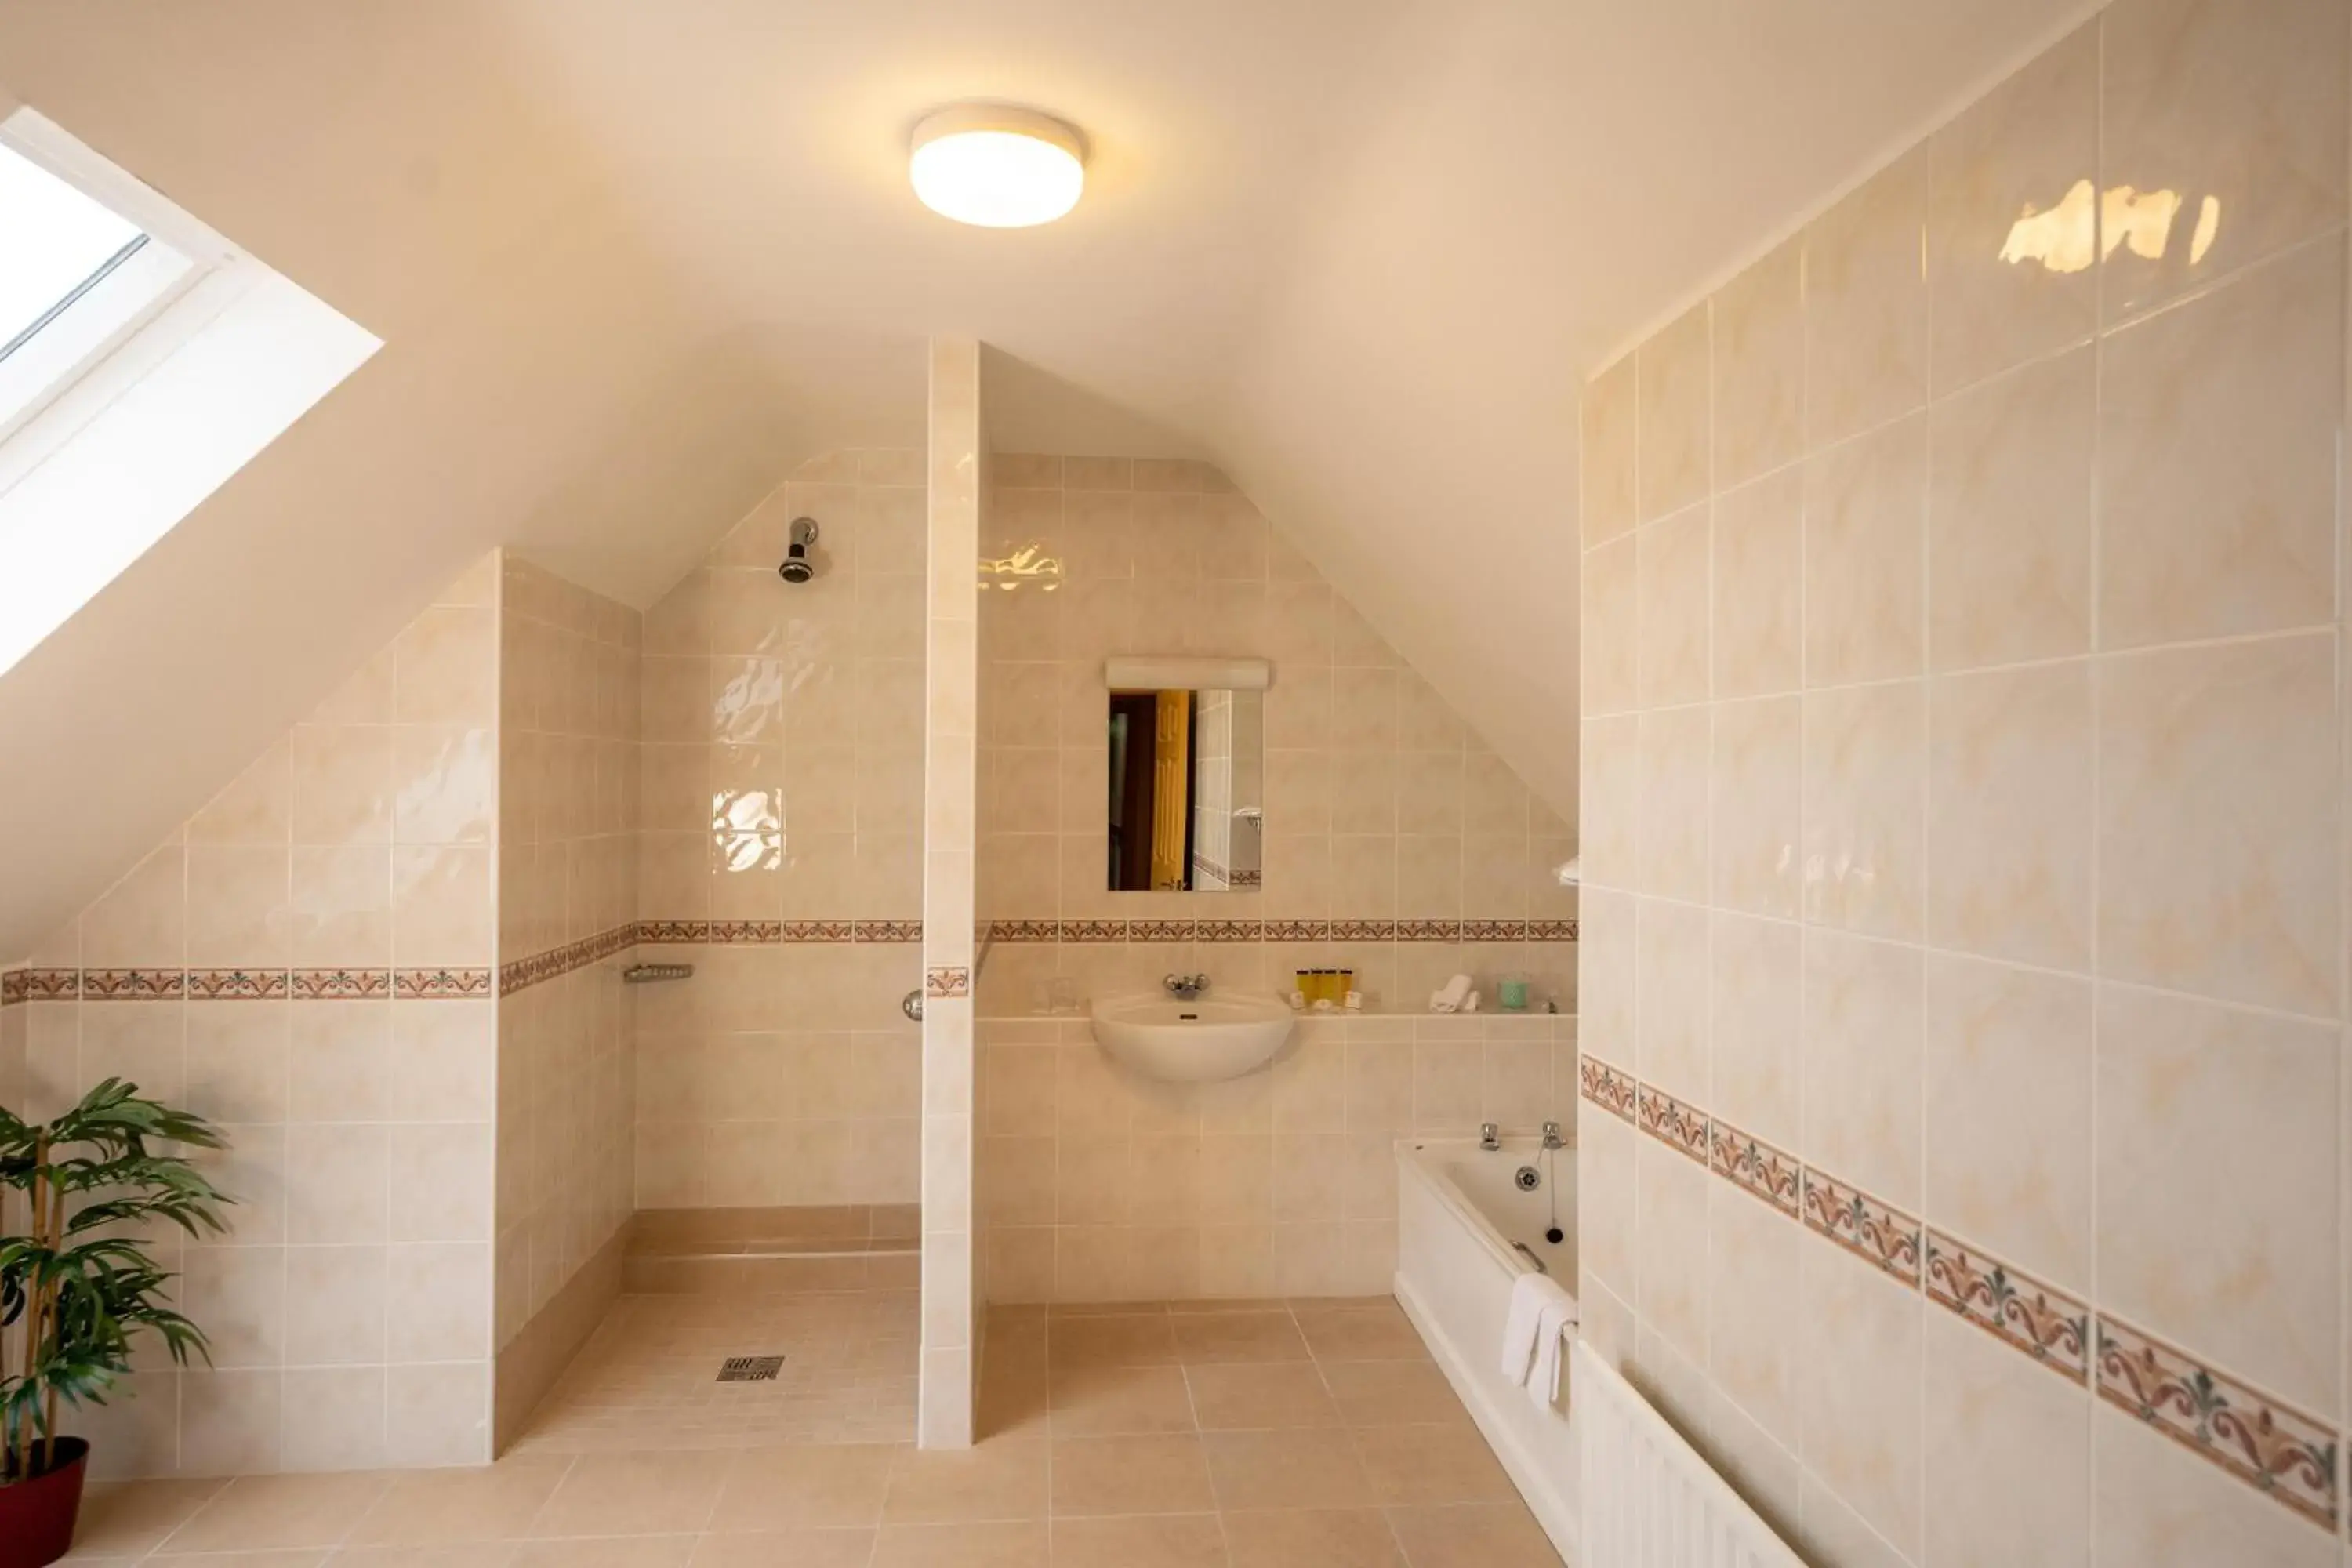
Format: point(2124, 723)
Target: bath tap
point(1551, 1136)
point(1490, 1136)
point(1184, 987)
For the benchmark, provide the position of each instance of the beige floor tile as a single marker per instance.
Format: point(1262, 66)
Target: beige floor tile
point(1391, 1392)
point(1480, 1535)
point(995, 1480)
point(632, 1494)
point(441, 1507)
point(1435, 1464)
point(1312, 1538)
point(1378, 1331)
point(1209, 1337)
point(1090, 1401)
point(310, 1558)
point(1012, 1401)
point(777, 1489)
point(998, 1545)
point(279, 1513)
point(130, 1518)
point(1244, 1395)
point(787, 1549)
point(606, 1551)
point(1116, 1339)
point(1159, 1474)
point(1168, 1541)
point(1280, 1469)
point(469, 1554)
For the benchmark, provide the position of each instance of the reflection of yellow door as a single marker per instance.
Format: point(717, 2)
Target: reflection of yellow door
point(1172, 801)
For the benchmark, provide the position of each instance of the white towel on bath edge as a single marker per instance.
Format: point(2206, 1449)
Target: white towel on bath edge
point(1531, 1293)
point(1551, 1328)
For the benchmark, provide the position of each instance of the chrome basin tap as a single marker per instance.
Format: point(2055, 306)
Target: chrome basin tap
point(1184, 986)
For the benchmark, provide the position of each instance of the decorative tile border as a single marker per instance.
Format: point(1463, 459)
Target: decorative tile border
point(1877, 1232)
point(433, 985)
point(1252, 930)
point(524, 972)
point(2266, 1442)
point(1670, 1122)
point(1747, 1161)
point(15, 985)
point(52, 985)
point(1607, 1088)
point(947, 982)
point(238, 985)
point(342, 984)
point(2040, 1320)
point(133, 984)
point(666, 931)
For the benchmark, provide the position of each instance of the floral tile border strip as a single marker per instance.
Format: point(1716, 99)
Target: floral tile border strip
point(251, 984)
point(1873, 1230)
point(15, 985)
point(1607, 1088)
point(1670, 1122)
point(2040, 1320)
point(947, 982)
point(2266, 1442)
point(1249, 930)
point(1773, 1174)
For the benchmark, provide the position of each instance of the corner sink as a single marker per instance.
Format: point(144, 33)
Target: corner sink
point(1200, 1041)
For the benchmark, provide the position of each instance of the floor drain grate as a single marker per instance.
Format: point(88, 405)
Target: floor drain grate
point(751, 1368)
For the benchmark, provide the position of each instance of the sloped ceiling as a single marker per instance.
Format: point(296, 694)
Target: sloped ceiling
point(632, 259)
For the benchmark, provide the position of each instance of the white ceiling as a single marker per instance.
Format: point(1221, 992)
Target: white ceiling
point(632, 259)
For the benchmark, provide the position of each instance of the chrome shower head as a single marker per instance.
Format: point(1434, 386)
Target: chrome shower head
point(799, 565)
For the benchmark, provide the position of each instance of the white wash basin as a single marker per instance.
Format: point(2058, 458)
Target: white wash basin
point(1199, 1041)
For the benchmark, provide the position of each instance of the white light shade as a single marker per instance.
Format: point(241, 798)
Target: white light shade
point(997, 167)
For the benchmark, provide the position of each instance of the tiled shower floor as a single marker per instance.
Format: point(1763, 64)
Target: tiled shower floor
point(1246, 1434)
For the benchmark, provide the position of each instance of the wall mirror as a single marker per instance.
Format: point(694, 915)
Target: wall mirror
point(1187, 743)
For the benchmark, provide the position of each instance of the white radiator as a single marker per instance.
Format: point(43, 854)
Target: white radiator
point(1650, 1501)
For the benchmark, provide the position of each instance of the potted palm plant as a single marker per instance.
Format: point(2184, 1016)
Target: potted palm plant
point(78, 1197)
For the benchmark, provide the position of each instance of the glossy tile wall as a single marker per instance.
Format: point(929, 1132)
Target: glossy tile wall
point(782, 855)
point(953, 1285)
point(308, 962)
point(1963, 812)
point(1099, 1185)
point(569, 694)
point(1393, 841)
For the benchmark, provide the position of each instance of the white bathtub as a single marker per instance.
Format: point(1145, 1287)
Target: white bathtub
point(1459, 1215)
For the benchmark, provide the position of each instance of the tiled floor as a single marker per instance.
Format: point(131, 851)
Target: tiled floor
point(1252, 1435)
point(646, 1379)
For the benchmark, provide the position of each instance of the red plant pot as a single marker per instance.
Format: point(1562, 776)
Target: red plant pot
point(37, 1517)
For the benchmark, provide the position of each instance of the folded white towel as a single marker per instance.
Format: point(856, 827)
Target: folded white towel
point(1450, 998)
point(1531, 1293)
point(1551, 1327)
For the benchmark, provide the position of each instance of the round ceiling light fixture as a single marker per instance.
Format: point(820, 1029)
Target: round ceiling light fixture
point(997, 166)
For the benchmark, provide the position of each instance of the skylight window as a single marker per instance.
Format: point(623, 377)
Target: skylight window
point(76, 278)
point(143, 361)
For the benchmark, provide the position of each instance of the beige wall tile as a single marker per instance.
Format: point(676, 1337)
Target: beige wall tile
point(2216, 767)
point(1759, 574)
point(1760, 367)
point(1866, 304)
point(2008, 1446)
point(2010, 814)
point(2236, 102)
point(1866, 537)
point(2217, 429)
point(1864, 853)
point(2012, 223)
point(2197, 1250)
point(1673, 373)
point(1859, 1402)
point(1606, 455)
point(2009, 517)
point(1863, 1063)
point(1673, 590)
point(2008, 1091)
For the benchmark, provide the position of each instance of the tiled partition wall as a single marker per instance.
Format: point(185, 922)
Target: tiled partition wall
point(1103, 1186)
point(1963, 826)
point(1393, 842)
point(952, 1282)
point(568, 703)
point(783, 854)
point(308, 961)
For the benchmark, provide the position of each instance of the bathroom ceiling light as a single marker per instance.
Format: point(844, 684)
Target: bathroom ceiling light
point(995, 166)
